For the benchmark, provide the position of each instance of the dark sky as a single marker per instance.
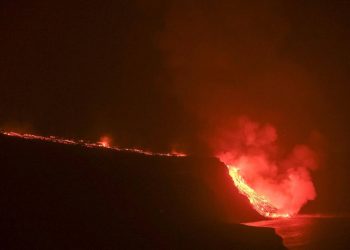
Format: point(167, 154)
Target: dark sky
point(164, 74)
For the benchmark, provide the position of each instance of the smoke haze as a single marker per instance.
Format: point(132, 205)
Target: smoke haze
point(178, 75)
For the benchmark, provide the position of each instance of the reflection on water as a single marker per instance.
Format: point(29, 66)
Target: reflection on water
point(311, 231)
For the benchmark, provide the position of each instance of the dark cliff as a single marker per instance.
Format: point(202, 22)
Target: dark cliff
point(56, 196)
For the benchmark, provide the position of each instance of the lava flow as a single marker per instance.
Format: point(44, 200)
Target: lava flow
point(259, 202)
point(103, 143)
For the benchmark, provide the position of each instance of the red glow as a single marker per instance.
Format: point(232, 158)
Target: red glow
point(105, 142)
point(177, 153)
point(275, 186)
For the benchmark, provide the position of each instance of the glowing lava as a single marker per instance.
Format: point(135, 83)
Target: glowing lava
point(259, 202)
point(105, 143)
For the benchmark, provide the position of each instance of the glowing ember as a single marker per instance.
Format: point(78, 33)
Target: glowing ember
point(260, 203)
point(105, 143)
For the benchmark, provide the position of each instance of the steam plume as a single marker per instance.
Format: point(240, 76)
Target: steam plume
point(283, 178)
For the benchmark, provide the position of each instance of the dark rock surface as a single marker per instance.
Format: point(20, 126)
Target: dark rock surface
point(55, 196)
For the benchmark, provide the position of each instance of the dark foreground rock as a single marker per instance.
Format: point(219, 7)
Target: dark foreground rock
point(55, 196)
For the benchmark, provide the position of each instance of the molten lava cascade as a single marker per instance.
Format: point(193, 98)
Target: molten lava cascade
point(260, 203)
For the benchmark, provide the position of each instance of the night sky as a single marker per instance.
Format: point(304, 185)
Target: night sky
point(168, 74)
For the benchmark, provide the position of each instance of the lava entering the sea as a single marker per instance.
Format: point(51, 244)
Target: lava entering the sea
point(276, 182)
point(259, 202)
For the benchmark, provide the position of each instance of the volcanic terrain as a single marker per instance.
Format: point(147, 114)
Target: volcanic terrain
point(57, 196)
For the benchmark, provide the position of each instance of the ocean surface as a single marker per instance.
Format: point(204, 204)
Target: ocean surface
point(311, 231)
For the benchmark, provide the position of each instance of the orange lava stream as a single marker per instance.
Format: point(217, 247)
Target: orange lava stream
point(89, 144)
point(259, 202)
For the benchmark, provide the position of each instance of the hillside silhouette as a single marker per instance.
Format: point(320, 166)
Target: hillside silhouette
point(56, 196)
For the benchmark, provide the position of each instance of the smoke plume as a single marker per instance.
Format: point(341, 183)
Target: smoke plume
point(282, 177)
point(232, 58)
